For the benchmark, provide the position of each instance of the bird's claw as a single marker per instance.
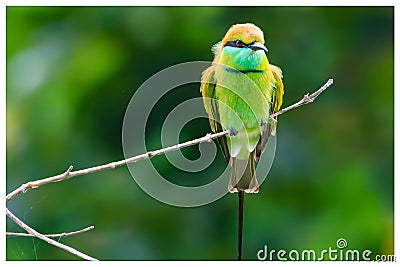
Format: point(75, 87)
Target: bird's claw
point(232, 132)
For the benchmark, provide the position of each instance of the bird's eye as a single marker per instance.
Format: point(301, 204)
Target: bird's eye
point(239, 43)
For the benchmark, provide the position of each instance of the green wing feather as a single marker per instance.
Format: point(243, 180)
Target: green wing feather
point(276, 103)
point(278, 95)
point(207, 88)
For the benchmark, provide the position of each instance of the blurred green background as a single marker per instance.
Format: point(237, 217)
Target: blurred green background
point(71, 72)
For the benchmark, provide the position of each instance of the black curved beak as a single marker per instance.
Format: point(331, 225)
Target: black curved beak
point(257, 46)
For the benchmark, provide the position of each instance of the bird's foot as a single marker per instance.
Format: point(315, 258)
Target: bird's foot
point(232, 132)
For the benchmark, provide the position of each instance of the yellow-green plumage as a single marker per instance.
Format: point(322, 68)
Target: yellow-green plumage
point(241, 89)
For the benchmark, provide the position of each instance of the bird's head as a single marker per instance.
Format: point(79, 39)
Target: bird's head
point(243, 48)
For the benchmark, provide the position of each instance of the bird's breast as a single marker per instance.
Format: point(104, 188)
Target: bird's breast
point(244, 99)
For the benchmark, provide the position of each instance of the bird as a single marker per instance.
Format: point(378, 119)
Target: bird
point(240, 91)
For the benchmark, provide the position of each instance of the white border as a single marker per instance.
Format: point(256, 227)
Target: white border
point(192, 3)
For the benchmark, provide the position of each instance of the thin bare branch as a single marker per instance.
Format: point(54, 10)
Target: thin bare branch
point(307, 98)
point(69, 173)
point(54, 235)
point(47, 239)
point(207, 138)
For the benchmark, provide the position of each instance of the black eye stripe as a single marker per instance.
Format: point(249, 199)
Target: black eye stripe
point(233, 44)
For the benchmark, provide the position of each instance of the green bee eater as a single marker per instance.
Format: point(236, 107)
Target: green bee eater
point(241, 90)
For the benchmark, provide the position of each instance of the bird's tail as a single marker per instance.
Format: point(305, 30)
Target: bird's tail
point(240, 224)
point(243, 176)
point(243, 180)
